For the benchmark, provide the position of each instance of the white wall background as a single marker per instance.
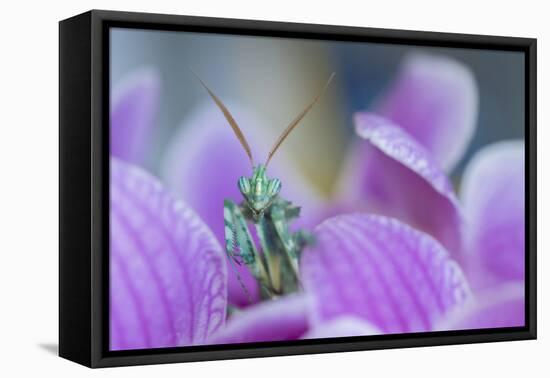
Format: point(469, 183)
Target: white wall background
point(29, 187)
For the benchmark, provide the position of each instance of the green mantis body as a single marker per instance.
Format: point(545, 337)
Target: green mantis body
point(275, 265)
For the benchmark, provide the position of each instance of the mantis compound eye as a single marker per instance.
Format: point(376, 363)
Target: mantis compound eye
point(273, 187)
point(244, 186)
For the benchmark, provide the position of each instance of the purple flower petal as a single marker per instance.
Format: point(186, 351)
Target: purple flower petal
point(204, 162)
point(134, 103)
point(276, 320)
point(501, 306)
point(383, 272)
point(343, 326)
point(392, 175)
point(168, 279)
point(435, 99)
point(493, 194)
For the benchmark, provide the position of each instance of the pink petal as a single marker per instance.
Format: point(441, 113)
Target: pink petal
point(134, 102)
point(203, 165)
point(493, 193)
point(343, 326)
point(435, 99)
point(381, 271)
point(390, 174)
point(276, 320)
point(168, 279)
point(501, 306)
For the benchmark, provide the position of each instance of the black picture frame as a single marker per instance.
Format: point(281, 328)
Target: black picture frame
point(84, 187)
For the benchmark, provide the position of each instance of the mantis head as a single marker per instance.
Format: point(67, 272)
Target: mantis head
point(259, 191)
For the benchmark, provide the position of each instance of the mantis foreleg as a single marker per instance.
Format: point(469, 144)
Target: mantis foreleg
point(280, 225)
point(271, 248)
point(240, 246)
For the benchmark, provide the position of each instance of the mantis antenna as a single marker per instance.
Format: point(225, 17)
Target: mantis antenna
point(229, 119)
point(296, 121)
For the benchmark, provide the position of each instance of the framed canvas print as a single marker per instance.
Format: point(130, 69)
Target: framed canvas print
point(234, 188)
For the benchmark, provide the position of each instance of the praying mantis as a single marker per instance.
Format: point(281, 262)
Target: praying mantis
point(276, 268)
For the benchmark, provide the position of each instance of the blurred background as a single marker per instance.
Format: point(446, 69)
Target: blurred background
point(276, 78)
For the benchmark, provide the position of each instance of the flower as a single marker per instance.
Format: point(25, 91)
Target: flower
point(168, 276)
point(398, 250)
point(493, 193)
point(380, 273)
point(394, 175)
point(435, 100)
point(134, 102)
